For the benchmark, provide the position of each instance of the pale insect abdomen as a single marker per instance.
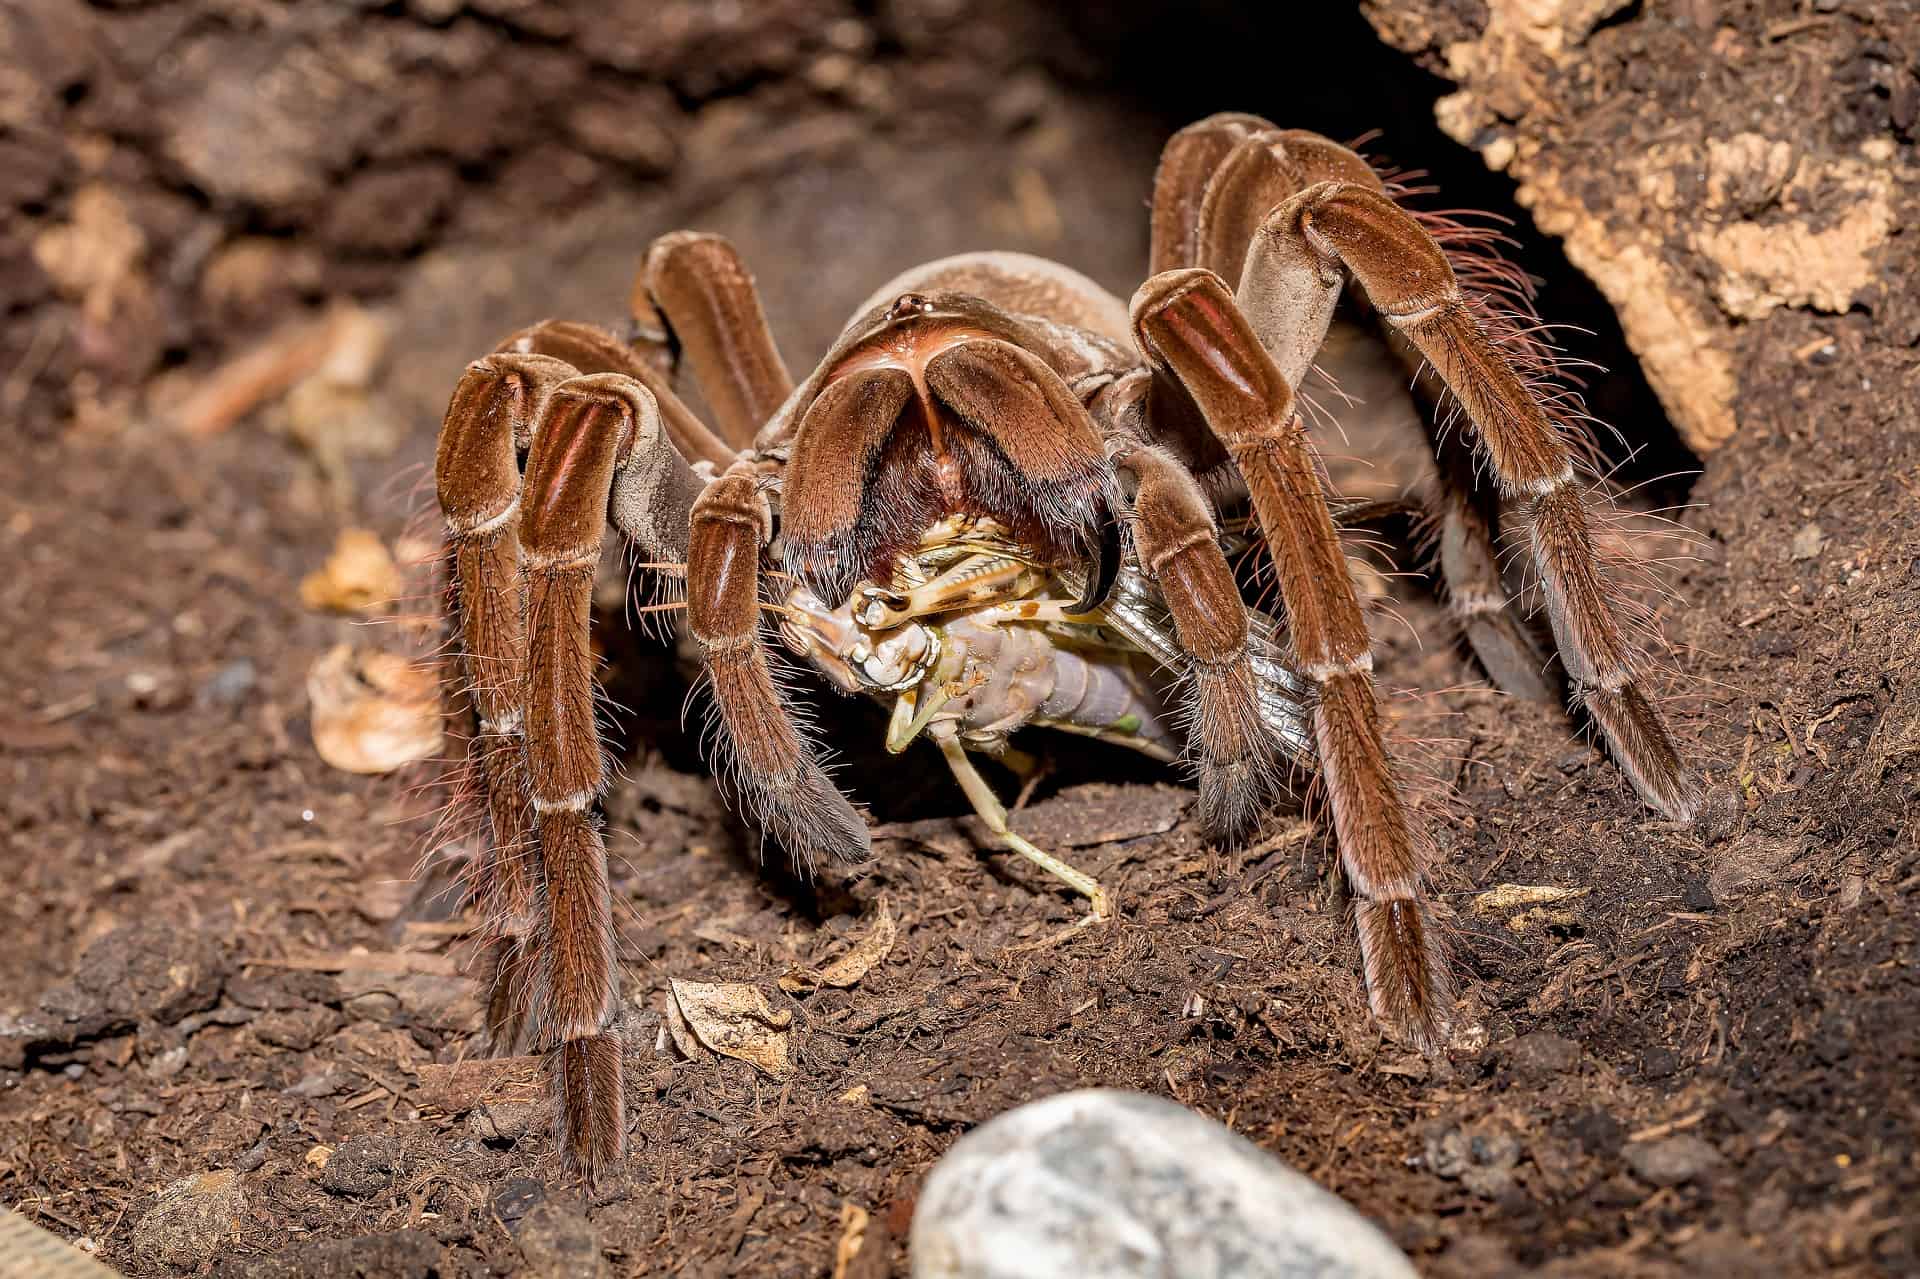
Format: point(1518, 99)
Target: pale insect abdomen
point(974, 635)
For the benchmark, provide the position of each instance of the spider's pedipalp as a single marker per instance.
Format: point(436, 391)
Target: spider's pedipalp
point(774, 766)
point(1237, 762)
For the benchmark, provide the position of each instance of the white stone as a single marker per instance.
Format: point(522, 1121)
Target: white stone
point(1102, 1184)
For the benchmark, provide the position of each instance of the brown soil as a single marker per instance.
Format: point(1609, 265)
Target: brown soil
point(1705, 1064)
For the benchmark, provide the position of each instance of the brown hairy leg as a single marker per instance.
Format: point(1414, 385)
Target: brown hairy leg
point(1301, 250)
point(598, 431)
point(591, 349)
point(707, 298)
point(1188, 327)
point(1236, 760)
point(1283, 217)
point(1464, 516)
point(774, 767)
point(488, 424)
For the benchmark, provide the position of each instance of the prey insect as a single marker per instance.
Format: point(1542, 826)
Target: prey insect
point(975, 639)
point(1003, 499)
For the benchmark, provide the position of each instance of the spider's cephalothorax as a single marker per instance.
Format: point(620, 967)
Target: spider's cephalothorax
point(983, 508)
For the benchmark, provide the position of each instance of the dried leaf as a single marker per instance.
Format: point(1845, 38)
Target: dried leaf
point(93, 257)
point(734, 1020)
point(1539, 917)
point(852, 966)
point(372, 712)
point(359, 577)
point(682, 1034)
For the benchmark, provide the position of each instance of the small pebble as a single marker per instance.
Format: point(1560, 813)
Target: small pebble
point(229, 685)
point(1539, 1056)
point(516, 1199)
point(1597, 1132)
point(1480, 1157)
point(168, 1063)
point(1671, 1161)
point(557, 1242)
point(1659, 1063)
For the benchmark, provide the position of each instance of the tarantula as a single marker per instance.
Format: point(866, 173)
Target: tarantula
point(998, 502)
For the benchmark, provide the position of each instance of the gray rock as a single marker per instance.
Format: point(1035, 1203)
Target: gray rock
point(1671, 1161)
point(229, 685)
point(1114, 1185)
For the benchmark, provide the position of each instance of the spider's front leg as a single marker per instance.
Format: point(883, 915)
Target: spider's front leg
point(489, 424)
point(593, 428)
point(525, 550)
point(1189, 328)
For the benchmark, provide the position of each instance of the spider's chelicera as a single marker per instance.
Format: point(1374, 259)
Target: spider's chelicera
point(997, 503)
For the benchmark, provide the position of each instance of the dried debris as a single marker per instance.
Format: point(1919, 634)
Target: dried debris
point(733, 1019)
point(850, 967)
point(360, 576)
point(373, 712)
point(193, 1220)
point(1530, 904)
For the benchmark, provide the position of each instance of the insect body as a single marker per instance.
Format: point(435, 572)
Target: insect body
point(973, 640)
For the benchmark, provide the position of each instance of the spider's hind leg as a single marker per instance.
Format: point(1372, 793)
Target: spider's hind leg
point(1304, 248)
point(1285, 218)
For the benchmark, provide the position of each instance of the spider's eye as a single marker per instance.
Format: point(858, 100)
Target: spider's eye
point(909, 304)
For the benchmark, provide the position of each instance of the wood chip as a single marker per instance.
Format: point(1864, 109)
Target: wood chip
point(261, 375)
point(462, 1086)
point(1505, 897)
point(853, 1232)
point(389, 961)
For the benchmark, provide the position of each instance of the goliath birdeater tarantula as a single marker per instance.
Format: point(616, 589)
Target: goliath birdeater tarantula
point(998, 501)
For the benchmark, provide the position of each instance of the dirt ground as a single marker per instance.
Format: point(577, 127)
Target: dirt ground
point(234, 1039)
